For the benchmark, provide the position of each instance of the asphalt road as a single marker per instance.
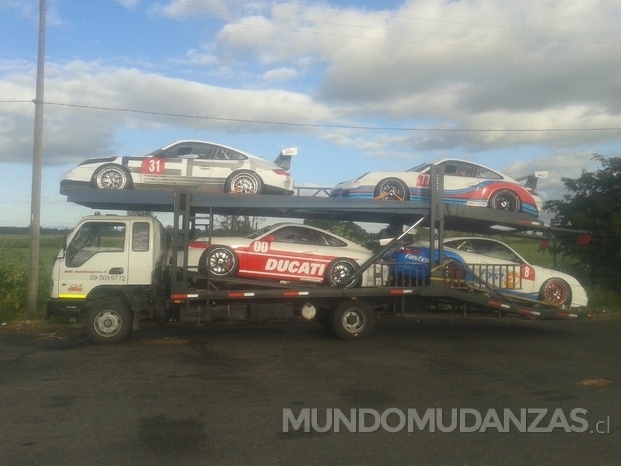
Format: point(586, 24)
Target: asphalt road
point(216, 394)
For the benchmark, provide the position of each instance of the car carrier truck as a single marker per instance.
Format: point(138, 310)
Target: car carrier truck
point(116, 270)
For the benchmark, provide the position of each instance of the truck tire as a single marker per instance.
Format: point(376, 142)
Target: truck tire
point(108, 322)
point(353, 320)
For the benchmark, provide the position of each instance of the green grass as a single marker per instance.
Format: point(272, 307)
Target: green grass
point(14, 263)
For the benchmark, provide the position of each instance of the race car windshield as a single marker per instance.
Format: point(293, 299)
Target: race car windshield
point(420, 168)
point(262, 231)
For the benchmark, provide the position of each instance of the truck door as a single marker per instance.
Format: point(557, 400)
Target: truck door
point(140, 253)
point(96, 255)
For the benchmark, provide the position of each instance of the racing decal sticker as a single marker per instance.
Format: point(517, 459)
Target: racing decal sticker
point(153, 166)
point(527, 272)
point(295, 267)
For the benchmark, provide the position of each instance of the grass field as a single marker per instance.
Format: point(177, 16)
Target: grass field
point(14, 262)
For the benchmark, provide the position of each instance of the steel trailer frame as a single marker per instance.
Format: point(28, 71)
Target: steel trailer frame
point(189, 288)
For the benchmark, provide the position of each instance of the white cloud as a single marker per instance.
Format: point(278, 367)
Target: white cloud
point(71, 130)
point(128, 3)
point(469, 65)
point(280, 74)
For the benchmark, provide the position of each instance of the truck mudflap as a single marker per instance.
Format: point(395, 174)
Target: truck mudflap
point(60, 307)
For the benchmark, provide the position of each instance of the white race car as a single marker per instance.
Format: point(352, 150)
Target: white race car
point(205, 166)
point(464, 183)
point(495, 263)
point(287, 252)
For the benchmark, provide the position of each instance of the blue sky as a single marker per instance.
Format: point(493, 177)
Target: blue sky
point(357, 86)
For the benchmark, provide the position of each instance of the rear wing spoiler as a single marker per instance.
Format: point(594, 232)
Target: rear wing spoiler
point(284, 158)
point(531, 180)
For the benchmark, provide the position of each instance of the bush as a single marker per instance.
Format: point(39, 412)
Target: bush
point(604, 300)
point(13, 291)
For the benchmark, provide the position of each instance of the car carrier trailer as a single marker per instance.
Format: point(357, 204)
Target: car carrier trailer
point(155, 281)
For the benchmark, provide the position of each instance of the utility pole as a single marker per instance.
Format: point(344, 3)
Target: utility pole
point(35, 202)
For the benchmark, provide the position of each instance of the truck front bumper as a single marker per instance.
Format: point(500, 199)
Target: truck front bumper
point(63, 307)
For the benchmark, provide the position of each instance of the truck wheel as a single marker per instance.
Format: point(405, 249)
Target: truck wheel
point(353, 320)
point(108, 322)
point(340, 270)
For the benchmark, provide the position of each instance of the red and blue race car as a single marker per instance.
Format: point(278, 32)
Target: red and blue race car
point(464, 183)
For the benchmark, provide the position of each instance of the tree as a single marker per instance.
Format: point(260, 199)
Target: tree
point(236, 225)
point(594, 205)
point(349, 230)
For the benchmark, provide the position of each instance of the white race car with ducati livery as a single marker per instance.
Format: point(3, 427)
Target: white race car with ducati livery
point(200, 165)
point(287, 252)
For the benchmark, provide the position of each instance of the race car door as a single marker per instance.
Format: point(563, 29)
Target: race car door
point(460, 183)
point(287, 254)
point(513, 274)
point(186, 164)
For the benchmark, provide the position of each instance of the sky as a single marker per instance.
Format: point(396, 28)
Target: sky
point(357, 86)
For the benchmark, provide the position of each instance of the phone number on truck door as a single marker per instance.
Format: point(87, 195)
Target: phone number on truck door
point(108, 278)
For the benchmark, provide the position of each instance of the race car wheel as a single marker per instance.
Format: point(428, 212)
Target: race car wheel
point(353, 320)
point(505, 199)
point(339, 273)
point(244, 182)
point(556, 291)
point(108, 322)
point(111, 177)
point(392, 189)
point(219, 261)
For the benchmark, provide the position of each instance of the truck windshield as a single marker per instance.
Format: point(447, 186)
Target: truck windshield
point(93, 238)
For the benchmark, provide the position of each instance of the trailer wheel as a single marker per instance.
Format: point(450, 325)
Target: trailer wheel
point(108, 322)
point(353, 320)
point(219, 261)
point(340, 270)
point(556, 291)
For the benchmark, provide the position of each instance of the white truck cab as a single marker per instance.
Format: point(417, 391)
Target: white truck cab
point(109, 269)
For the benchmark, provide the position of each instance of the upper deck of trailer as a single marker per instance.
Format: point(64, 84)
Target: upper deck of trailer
point(456, 217)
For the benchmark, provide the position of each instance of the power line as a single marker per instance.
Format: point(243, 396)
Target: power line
point(322, 125)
